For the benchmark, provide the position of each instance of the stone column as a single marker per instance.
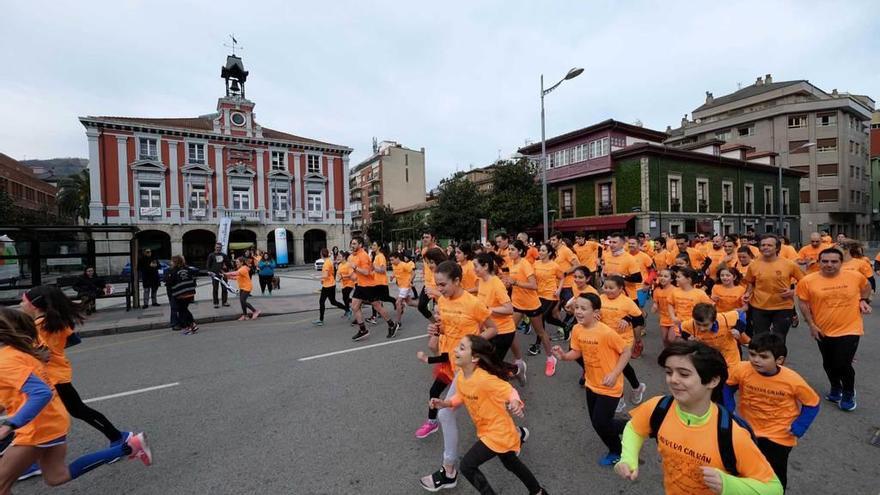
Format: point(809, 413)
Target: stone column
point(96, 206)
point(346, 192)
point(331, 193)
point(175, 184)
point(297, 190)
point(122, 153)
point(298, 248)
point(219, 173)
point(260, 190)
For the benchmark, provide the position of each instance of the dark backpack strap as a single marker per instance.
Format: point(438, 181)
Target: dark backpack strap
point(725, 441)
point(659, 414)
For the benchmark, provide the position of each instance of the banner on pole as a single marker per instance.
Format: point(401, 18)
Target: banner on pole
point(484, 231)
point(281, 246)
point(223, 233)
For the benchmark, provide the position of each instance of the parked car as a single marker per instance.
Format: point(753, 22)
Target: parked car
point(319, 264)
point(163, 265)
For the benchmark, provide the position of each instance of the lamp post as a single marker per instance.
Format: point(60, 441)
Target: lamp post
point(779, 180)
point(574, 72)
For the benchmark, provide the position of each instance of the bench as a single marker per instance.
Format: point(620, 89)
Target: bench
point(114, 280)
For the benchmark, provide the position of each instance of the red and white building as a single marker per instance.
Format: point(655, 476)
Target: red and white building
point(176, 177)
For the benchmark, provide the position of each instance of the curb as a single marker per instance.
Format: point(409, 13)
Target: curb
point(160, 326)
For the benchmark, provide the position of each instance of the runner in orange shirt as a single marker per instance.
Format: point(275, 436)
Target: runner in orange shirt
point(464, 257)
point(346, 276)
point(526, 303)
point(567, 261)
point(716, 254)
point(770, 294)
point(402, 274)
point(366, 291)
point(854, 260)
point(617, 261)
point(502, 243)
point(328, 288)
point(532, 254)
point(242, 275)
point(808, 256)
point(549, 277)
point(684, 297)
point(429, 242)
point(695, 256)
point(728, 291)
point(587, 251)
point(788, 251)
point(744, 258)
point(662, 296)
point(663, 257)
point(718, 330)
point(621, 314)
point(493, 294)
point(646, 268)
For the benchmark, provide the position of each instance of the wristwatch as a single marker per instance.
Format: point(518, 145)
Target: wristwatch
point(8, 423)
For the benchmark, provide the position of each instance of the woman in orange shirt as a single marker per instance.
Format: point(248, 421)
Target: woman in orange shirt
point(549, 276)
point(36, 428)
point(744, 258)
point(328, 289)
point(346, 276)
point(464, 257)
point(482, 388)
point(728, 291)
point(493, 294)
point(242, 275)
point(662, 295)
point(685, 297)
point(524, 297)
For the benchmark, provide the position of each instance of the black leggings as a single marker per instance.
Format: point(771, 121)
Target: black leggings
point(184, 315)
point(266, 283)
point(437, 388)
point(777, 456)
point(547, 307)
point(479, 454)
point(346, 297)
point(777, 321)
point(502, 344)
point(75, 406)
point(630, 374)
point(423, 304)
point(609, 429)
point(837, 358)
point(329, 293)
point(243, 296)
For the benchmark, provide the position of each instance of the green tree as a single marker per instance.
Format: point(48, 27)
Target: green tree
point(73, 195)
point(460, 205)
point(382, 222)
point(515, 202)
point(8, 210)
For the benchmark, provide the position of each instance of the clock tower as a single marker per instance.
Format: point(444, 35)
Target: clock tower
point(235, 112)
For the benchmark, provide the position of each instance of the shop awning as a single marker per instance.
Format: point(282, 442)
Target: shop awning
point(609, 222)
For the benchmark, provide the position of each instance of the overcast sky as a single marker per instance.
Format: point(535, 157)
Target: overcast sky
point(459, 78)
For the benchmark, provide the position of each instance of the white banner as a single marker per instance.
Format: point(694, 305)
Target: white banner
point(484, 231)
point(223, 233)
point(281, 246)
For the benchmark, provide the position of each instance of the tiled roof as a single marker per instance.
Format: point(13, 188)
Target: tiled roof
point(747, 92)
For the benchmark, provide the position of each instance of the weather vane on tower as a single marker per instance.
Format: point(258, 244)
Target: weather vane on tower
point(234, 44)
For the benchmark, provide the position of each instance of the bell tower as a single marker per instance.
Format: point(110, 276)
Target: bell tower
point(235, 113)
point(235, 76)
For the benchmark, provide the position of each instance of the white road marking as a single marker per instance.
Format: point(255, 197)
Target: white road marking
point(355, 349)
point(131, 392)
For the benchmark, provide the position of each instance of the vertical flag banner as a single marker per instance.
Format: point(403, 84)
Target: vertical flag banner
point(281, 246)
point(223, 233)
point(484, 231)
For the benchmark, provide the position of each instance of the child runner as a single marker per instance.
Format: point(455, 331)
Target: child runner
point(776, 401)
point(604, 355)
point(493, 294)
point(662, 296)
point(549, 276)
point(37, 422)
point(482, 387)
point(688, 425)
point(744, 258)
point(728, 292)
point(525, 299)
point(685, 297)
point(720, 331)
point(346, 276)
point(380, 277)
point(328, 288)
point(622, 315)
point(464, 257)
point(242, 275)
point(460, 314)
point(432, 259)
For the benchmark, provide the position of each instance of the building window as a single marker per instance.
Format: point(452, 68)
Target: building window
point(566, 203)
point(196, 153)
point(606, 205)
point(279, 201)
point(278, 161)
point(826, 145)
point(315, 205)
point(827, 195)
point(795, 147)
point(702, 195)
point(197, 196)
point(241, 198)
point(805, 196)
point(786, 209)
point(314, 164)
point(768, 200)
point(797, 121)
point(749, 199)
point(727, 196)
point(745, 131)
point(675, 194)
point(148, 149)
point(826, 120)
point(826, 170)
point(618, 142)
point(603, 147)
point(723, 135)
point(406, 159)
point(150, 199)
point(406, 172)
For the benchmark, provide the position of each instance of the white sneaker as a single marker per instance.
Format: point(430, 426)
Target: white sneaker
point(638, 394)
point(621, 406)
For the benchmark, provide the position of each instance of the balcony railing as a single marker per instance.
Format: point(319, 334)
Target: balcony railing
point(606, 208)
point(675, 205)
point(728, 207)
point(703, 206)
point(315, 214)
point(280, 214)
point(567, 212)
point(198, 213)
point(242, 215)
point(374, 192)
point(750, 209)
point(150, 211)
point(768, 209)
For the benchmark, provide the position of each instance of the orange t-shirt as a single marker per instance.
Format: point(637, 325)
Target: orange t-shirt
point(381, 278)
point(810, 254)
point(645, 263)
point(565, 258)
point(834, 302)
point(468, 276)
point(362, 261)
point(663, 297)
point(683, 302)
point(685, 449)
point(505, 256)
point(601, 348)
point(485, 396)
point(53, 421)
point(722, 339)
point(586, 289)
point(663, 259)
point(345, 270)
point(492, 294)
point(697, 256)
point(244, 278)
point(548, 274)
point(770, 278)
point(729, 299)
point(403, 274)
point(525, 299)
point(58, 368)
point(859, 265)
point(532, 254)
point(328, 278)
point(615, 310)
point(461, 316)
point(788, 252)
point(588, 254)
point(624, 264)
point(770, 404)
point(716, 256)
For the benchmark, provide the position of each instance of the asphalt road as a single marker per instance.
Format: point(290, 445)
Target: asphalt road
point(247, 416)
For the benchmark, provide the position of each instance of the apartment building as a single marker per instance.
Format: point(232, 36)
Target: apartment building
point(393, 175)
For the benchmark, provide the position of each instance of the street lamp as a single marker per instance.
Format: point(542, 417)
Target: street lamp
point(779, 181)
point(574, 72)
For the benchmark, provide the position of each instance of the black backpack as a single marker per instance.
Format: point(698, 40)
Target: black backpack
point(725, 431)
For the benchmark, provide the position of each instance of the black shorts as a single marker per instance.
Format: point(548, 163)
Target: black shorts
point(368, 294)
point(531, 313)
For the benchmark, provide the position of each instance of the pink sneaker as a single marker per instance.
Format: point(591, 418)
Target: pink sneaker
point(140, 449)
point(550, 368)
point(427, 428)
point(255, 315)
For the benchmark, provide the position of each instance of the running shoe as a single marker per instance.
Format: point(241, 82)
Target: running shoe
point(638, 347)
point(360, 335)
point(438, 481)
point(318, 323)
point(188, 331)
point(795, 321)
point(524, 434)
point(848, 401)
point(521, 375)
point(226, 305)
point(534, 349)
point(140, 449)
point(550, 367)
point(372, 320)
point(566, 330)
point(638, 394)
point(255, 315)
point(243, 318)
point(216, 306)
point(32, 471)
point(609, 460)
point(427, 428)
point(621, 406)
point(558, 336)
point(123, 439)
point(834, 395)
point(392, 329)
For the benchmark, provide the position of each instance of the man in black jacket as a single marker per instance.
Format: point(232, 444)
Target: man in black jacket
point(149, 267)
point(218, 263)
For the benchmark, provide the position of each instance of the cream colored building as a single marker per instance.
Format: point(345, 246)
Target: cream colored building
point(393, 175)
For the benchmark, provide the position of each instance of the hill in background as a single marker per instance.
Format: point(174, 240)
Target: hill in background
point(56, 168)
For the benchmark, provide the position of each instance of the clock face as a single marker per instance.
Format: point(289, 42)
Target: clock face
point(238, 119)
